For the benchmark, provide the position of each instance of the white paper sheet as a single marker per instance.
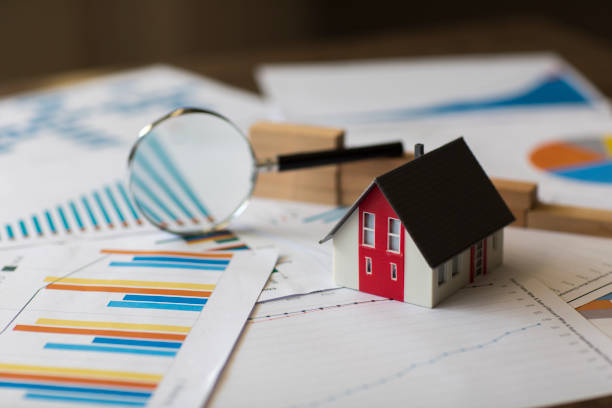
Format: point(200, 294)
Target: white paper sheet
point(507, 107)
point(293, 228)
point(575, 267)
point(105, 325)
point(512, 343)
point(63, 153)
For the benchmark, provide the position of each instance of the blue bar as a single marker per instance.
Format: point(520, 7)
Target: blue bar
point(31, 395)
point(111, 197)
point(186, 260)
point(167, 299)
point(144, 343)
point(127, 200)
point(37, 225)
point(606, 297)
point(168, 265)
point(207, 235)
point(326, 216)
point(140, 159)
point(149, 211)
point(151, 305)
point(35, 386)
point(9, 231)
point(23, 228)
point(339, 213)
point(101, 206)
point(142, 185)
point(76, 214)
point(92, 217)
point(161, 154)
point(103, 349)
point(60, 211)
point(50, 221)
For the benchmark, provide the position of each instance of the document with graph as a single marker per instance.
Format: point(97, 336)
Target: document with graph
point(115, 326)
point(576, 267)
point(63, 152)
point(526, 116)
point(507, 342)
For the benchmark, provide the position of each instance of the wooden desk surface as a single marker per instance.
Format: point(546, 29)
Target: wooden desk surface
point(593, 57)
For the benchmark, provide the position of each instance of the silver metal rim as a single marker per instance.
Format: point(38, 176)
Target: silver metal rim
point(145, 131)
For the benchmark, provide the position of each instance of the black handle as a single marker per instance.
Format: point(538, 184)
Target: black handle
point(325, 157)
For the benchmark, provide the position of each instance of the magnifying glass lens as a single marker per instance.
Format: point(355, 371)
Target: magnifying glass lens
point(191, 172)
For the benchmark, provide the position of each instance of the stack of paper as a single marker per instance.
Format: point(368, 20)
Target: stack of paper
point(150, 319)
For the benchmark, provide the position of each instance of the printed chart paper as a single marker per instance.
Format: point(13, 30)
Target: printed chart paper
point(527, 117)
point(396, 90)
point(105, 325)
point(576, 267)
point(599, 312)
point(293, 228)
point(63, 152)
point(504, 343)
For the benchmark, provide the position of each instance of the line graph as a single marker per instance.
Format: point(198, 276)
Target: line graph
point(315, 309)
point(355, 349)
point(408, 369)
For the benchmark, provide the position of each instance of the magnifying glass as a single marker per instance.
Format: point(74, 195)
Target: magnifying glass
point(193, 171)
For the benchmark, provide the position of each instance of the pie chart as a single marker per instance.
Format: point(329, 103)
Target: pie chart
point(586, 159)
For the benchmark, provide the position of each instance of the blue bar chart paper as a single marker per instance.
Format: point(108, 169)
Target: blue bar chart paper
point(98, 335)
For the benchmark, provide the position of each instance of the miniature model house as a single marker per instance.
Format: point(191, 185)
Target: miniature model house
point(423, 230)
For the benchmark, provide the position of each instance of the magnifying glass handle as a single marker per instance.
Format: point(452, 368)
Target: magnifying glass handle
point(326, 157)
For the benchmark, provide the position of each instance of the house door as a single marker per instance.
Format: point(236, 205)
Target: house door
point(478, 264)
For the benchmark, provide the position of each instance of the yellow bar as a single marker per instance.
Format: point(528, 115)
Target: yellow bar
point(82, 372)
point(114, 325)
point(608, 143)
point(146, 284)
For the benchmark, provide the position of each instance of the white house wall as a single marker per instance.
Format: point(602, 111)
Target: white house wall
point(451, 283)
point(495, 256)
point(346, 253)
point(417, 282)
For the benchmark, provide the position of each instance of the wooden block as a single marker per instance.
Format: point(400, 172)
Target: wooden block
point(570, 219)
point(521, 217)
point(355, 177)
point(517, 194)
point(320, 185)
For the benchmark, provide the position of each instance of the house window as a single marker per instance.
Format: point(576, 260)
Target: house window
point(368, 265)
point(440, 270)
point(494, 243)
point(393, 271)
point(455, 265)
point(368, 229)
point(393, 235)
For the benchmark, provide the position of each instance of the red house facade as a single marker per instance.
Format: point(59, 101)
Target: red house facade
point(381, 249)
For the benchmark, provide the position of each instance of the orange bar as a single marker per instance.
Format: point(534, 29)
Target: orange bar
point(63, 379)
point(175, 253)
point(98, 332)
point(596, 305)
point(148, 291)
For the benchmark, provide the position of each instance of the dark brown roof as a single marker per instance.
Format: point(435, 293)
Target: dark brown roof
point(444, 199)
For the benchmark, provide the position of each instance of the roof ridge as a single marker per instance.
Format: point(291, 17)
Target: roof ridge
point(442, 148)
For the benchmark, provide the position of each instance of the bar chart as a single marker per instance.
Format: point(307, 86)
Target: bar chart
point(107, 209)
point(130, 308)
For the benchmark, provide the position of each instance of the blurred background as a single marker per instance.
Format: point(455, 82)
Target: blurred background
point(226, 39)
